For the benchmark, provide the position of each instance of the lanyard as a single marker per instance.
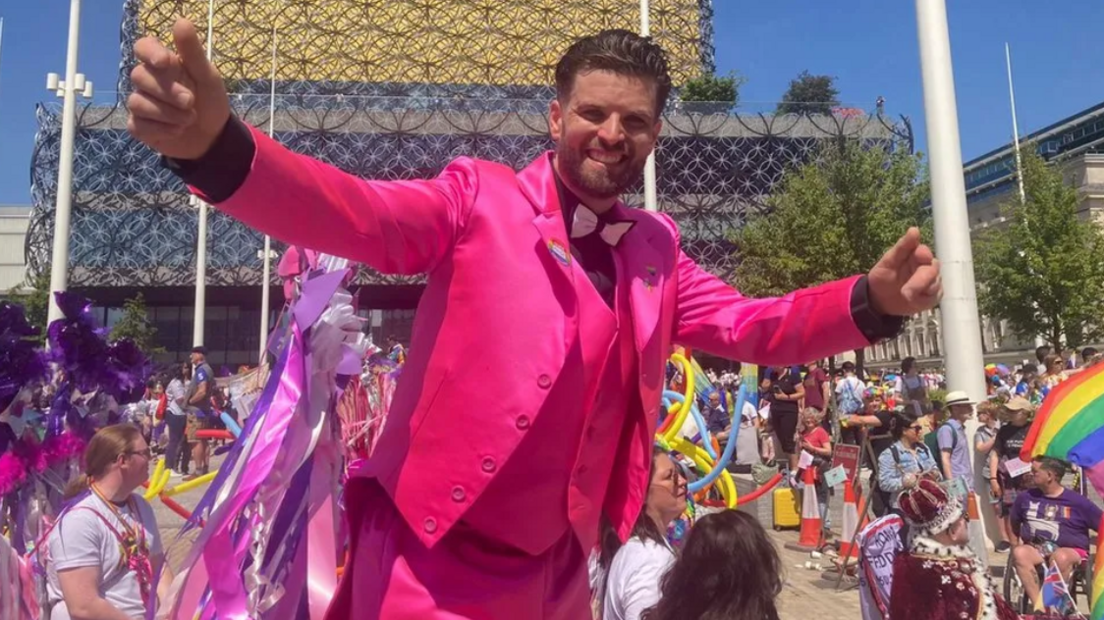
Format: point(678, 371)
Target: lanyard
point(133, 543)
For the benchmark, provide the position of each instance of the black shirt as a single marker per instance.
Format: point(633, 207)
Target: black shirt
point(880, 437)
point(787, 385)
point(1010, 440)
point(594, 255)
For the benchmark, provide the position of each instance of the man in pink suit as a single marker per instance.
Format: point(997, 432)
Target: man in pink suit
point(484, 502)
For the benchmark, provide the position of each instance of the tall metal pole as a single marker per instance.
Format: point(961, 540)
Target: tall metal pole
point(650, 200)
point(1015, 127)
point(961, 330)
point(268, 240)
point(200, 314)
point(59, 267)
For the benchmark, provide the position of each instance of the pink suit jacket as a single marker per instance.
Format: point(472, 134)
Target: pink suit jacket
point(500, 312)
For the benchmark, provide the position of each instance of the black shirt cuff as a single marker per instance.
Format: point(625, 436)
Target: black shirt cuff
point(873, 325)
point(223, 169)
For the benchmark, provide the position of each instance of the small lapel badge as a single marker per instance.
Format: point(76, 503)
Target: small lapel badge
point(559, 252)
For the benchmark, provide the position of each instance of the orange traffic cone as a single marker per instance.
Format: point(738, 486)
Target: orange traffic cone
point(850, 521)
point(811, 529)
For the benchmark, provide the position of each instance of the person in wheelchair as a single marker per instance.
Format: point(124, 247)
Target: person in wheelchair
point(1053, 522)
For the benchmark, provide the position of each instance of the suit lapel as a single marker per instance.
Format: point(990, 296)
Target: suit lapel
point(539, 186)
point(641, 269)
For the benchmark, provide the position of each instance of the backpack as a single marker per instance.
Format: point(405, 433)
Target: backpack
point(931, 442)
point(849, 401)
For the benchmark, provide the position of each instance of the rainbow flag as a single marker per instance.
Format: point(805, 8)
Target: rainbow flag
point(1070, 426)
point(1070, 423)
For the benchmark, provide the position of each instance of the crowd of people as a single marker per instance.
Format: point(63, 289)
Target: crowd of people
point(913, 438)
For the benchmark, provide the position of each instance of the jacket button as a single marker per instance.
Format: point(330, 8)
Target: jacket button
point(458, 494)
point(489, 464)
point(522, 422)
point(544, 381)
point(430, 525)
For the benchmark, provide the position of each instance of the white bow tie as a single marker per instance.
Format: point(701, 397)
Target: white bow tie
point(587, 222)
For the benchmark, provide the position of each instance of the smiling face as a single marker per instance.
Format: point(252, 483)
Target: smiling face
point(604, 132)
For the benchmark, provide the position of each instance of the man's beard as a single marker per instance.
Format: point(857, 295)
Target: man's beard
point(597, 181)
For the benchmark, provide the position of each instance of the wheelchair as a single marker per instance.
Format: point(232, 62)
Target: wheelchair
point(1080, 585)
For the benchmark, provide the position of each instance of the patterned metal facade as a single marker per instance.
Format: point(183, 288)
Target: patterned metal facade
point(132, 223)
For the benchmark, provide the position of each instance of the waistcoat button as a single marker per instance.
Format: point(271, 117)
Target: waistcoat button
point(458, 494)
point(489, 464)
point(430, 525)
point(544, 381)
point(522, 422)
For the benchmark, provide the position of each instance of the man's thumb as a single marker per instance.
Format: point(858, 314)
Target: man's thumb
point(191, 52)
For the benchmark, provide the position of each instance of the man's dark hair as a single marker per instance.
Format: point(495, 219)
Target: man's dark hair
point(1088, 352)
point(619, 51)
point(907, 364)
point(1041, 352)
point(848, 367)
point(1053, 465)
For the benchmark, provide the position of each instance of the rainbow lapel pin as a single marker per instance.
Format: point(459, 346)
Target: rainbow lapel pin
point(559, 252)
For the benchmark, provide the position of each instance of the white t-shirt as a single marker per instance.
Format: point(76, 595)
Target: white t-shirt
point(82, 539)
point(175, 392)
point(632, 585)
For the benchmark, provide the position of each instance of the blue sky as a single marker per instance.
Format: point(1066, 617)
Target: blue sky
point(869, 45)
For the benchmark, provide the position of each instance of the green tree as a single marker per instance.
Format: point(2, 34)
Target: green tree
point(832, 218)
point(1044, 271)
point(711, 88)
point(135, 325)
point(34, 296)
point(810, 94)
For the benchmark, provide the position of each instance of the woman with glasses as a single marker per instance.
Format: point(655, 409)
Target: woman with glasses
point(905, 463)
point(104, 551)
point(634, 570)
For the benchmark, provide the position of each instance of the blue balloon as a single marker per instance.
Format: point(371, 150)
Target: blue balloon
point(726, 456)
point(231, 425)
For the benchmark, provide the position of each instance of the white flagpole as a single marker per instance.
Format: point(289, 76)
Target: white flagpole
point(59, 263)
point(650, 199)
point(961, 331)
point(200, 314)
point(268, 240)
point(1015, 127)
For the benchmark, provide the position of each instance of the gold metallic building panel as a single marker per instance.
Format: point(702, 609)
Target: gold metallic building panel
point(495, 42)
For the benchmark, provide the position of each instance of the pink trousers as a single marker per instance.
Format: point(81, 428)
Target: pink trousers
point(391, 575)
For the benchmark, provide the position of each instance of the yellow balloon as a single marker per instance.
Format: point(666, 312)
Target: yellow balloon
point(687, 401)
point(151, 492)
point(189, 485)
point(724, 482)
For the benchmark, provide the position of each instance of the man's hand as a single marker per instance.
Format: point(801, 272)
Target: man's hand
point(179, 104)
point(906, 280)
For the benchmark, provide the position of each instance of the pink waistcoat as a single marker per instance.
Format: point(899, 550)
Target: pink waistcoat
point(559, 477)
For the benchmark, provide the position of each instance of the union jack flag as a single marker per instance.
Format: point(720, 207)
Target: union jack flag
point(1055, 594)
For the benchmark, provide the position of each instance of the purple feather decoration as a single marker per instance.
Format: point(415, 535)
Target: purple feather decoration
point(21, 362)
point(79, 346)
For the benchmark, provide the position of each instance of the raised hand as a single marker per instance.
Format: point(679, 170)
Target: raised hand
point(906, 280)
point(179, 104)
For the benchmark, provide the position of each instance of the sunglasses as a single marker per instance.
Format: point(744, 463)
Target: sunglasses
point(916, 428)
point(148, 453)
